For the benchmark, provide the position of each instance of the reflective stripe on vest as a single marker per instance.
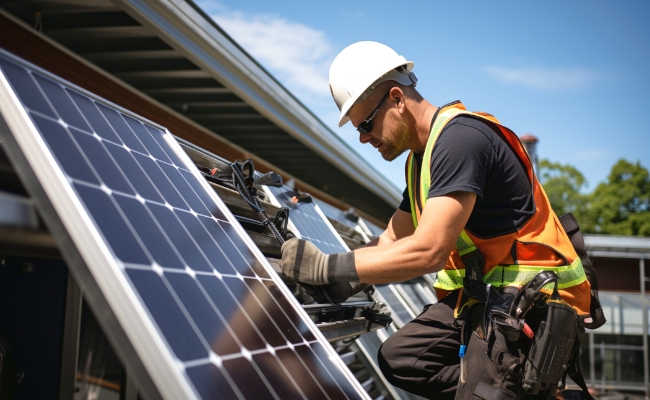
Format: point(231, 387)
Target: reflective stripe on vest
point(500, 275)
point(513, 275)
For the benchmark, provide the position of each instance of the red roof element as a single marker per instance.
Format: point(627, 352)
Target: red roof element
point(527, 137)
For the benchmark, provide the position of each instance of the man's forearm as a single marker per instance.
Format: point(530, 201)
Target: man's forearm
point(423, 252)
point(398, 261)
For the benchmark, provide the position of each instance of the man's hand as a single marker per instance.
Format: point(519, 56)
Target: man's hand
point(302, 261)
point(338, 292)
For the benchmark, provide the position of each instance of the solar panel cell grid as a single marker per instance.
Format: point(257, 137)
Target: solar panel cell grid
point(115, 229)
point(311, 224)
point(63, 104)
point(232, 330)
point(102, 163)
point(283, 381)
point(65, 149)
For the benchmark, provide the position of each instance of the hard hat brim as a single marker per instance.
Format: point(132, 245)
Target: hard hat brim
point(402, 78)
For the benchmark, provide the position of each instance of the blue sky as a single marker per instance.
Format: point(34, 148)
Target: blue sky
point(575, 74)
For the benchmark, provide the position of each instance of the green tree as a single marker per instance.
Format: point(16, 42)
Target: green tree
point(563, 185)
point(621, 206)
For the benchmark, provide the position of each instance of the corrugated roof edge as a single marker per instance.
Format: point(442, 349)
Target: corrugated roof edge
point(193, 33)
point(617, 242)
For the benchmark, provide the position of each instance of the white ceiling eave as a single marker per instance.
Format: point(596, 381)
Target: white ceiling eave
point(185, 29)
point(617, 243)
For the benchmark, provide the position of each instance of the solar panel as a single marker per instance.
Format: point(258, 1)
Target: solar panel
point(347, 225)
point(334, 214)
point(198, 301)
point(403, 313)
point(416, 294)
point(309, 221)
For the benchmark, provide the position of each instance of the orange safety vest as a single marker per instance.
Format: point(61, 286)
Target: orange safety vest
point(511, 259)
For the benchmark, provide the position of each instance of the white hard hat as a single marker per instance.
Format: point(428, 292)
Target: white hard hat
point(360, 67)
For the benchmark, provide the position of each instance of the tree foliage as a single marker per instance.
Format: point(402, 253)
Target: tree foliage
point(619, 206)
point(563, 185)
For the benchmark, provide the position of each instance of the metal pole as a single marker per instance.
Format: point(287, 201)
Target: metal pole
point(602, 367)
point(621, 321)
point(644, 318)
point(72, 321)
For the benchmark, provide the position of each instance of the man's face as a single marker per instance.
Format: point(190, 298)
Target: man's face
point(389, 133)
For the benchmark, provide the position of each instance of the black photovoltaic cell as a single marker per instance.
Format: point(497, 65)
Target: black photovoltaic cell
point(110, 222)
point(310, 223)
point(233, 331)
point(209, 379)
point(68, 154)
point(63, 104)
point(334, 213)
point(168, 314)
point(283, 383)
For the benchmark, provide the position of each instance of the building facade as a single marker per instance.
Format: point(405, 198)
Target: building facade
point(615, 356)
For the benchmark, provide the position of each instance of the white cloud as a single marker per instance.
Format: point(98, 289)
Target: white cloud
point(552, 79)
point(298, 55)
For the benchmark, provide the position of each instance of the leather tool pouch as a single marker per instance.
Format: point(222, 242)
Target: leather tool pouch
point(552, 347)
point(508, 325)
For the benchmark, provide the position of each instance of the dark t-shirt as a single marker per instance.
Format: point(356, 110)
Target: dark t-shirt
point(471, 156)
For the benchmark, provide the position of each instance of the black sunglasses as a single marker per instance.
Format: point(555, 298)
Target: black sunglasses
point(366, 125)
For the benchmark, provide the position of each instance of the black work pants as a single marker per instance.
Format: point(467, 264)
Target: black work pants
point(422, 358)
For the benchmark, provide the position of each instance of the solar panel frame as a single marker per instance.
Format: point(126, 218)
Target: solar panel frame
point(54, 201)
point(374, 338)
point(396, 291)
point(333, 213)
point(126, 321)
point(402, 313)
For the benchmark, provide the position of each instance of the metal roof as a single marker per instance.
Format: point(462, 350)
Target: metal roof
point(174, 53)
point(618, 246)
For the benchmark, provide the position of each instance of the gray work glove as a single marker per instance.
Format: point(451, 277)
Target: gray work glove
point(338, 292)
point(302, 261)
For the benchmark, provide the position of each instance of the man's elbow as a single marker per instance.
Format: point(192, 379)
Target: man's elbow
point(430, 259)
point(386, 238)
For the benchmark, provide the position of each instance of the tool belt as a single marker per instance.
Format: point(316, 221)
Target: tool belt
point(544, 329)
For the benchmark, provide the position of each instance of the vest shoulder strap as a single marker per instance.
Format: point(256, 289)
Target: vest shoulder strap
point(410, 182)
point(570, 225)
point(441, 121)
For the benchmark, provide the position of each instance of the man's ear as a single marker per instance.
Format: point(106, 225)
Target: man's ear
point(397, 95)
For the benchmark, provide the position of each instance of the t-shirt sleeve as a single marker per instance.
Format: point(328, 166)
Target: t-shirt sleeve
point(405, 205)
point(461, 159)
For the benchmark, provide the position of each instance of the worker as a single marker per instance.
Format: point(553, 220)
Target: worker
point(472, 211)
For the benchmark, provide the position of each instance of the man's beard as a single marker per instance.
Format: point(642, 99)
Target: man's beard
point(391, 152)
point(394, 146)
